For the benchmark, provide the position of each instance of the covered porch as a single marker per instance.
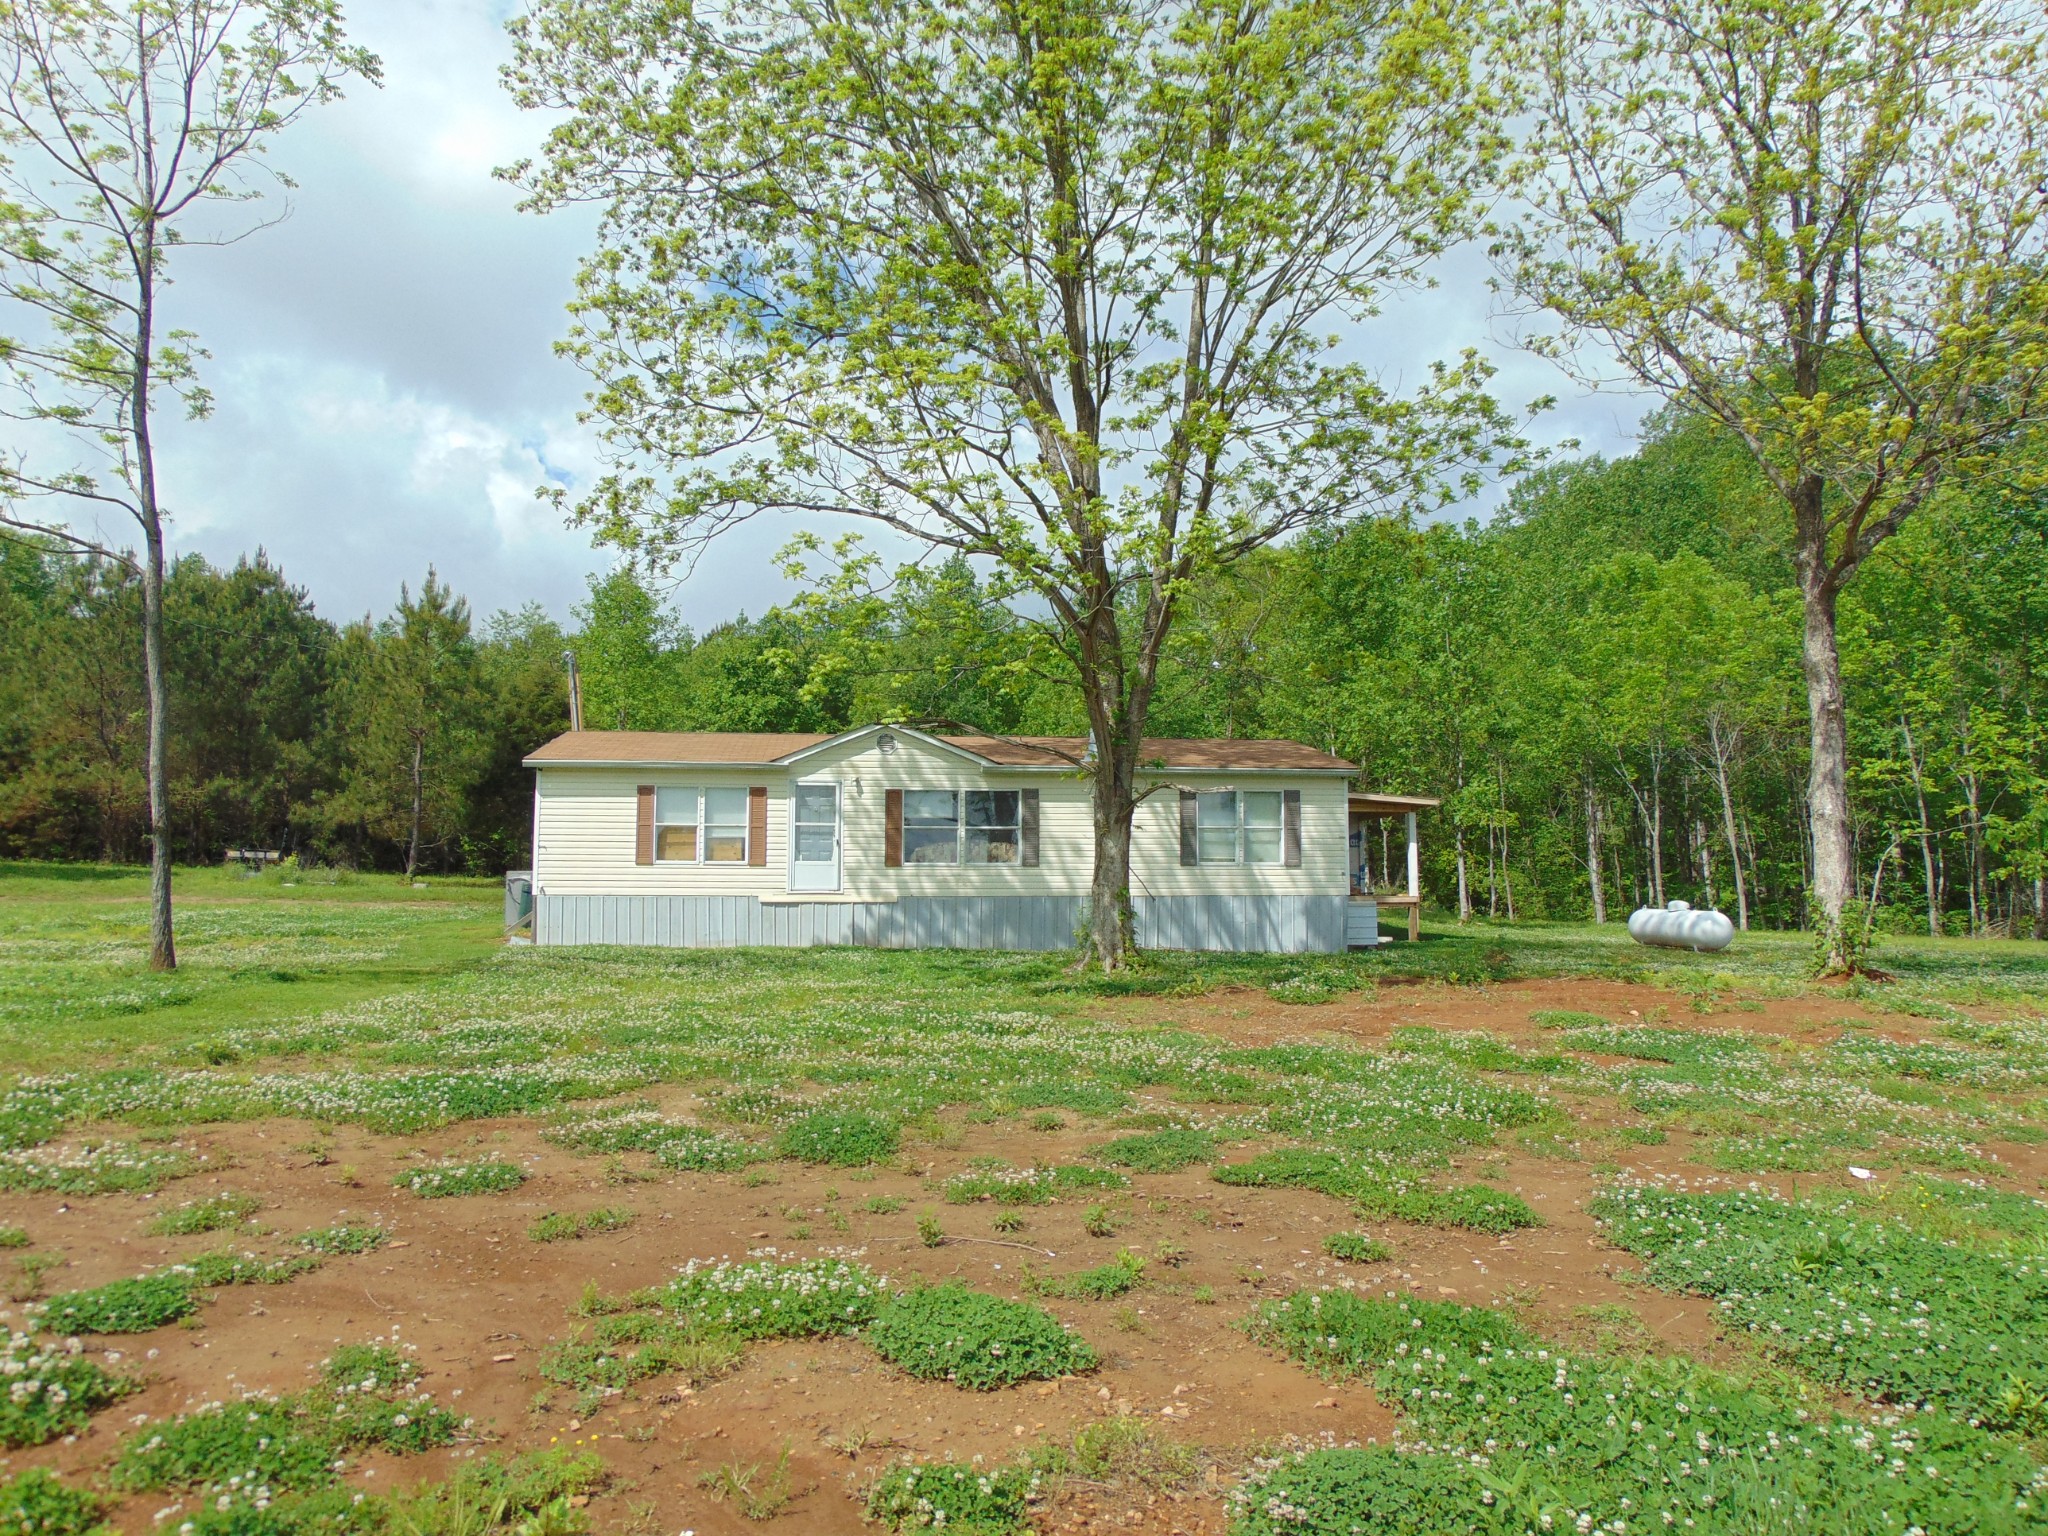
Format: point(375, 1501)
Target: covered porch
point(1386, 871)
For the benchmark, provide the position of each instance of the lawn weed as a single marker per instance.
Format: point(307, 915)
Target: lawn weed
point(839, 1139)
point(37, 1504)
point(962, 1497)
point(1356, 1248)
point(216, 1213)
point(951, 1333)
point(52, 1391)
point(440, 1181)
point(1164, 1151)
point(772, 1299)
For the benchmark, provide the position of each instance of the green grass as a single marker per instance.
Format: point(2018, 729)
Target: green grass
point(1856, 1297)
point(76, 990)
point(961, 1497)
point(344, 1239)
point(1158, 1151)
point(1376, 1197)
point(441, 1181)
point(37, 1504)
point(290, 1444)
point(51, 1391)
point(1028, 1186)
point(838, 1139)
point(1356, 1248)
point(1105, 1282)
point(769, 1299)
point(974, 1340)
point(375, 1006)
point(216, 1213)
point(630, 1347)
point(558, 1226)
point(122, 1306)
point(1600, 1443)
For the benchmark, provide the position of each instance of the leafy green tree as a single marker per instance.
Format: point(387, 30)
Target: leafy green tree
point(408, 717)
point(1047, 284)
point(248, 685)
point(625, 645)
point(124, 124)
point(1823, 226)
point(525, 700)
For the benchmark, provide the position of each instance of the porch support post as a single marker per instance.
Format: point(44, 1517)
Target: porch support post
point(1414, 882)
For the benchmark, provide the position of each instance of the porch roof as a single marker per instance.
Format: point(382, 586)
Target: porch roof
point(1392, 805)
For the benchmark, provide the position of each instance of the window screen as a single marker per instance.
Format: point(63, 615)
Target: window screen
point(1262, 822)
point(1216, 827)
point(931, 826)
point(725, 826)
point(675, 826)
point(992, 826)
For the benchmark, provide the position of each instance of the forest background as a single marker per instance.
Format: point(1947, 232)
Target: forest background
point(1601, 681)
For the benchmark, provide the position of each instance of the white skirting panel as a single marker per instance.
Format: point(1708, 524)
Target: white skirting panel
point(1361, 922)
point(1278, 924)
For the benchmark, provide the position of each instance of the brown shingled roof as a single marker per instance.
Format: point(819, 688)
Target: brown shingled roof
point(765, 748)
point(1171, 751)
point(740, 748)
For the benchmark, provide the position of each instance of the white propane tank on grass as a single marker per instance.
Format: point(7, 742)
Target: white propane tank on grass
point(1676, 926)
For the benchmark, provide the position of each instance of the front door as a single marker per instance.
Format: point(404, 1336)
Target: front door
point(814, 837)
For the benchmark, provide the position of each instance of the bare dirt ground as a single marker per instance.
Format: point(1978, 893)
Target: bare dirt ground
point(481, 1301)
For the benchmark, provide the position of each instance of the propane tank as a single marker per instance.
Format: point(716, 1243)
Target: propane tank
point(1676, 926)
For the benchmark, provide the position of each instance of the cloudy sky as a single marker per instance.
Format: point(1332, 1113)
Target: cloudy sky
point(386, 393)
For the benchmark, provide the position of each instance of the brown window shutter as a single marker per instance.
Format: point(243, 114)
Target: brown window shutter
point(1027, 829)
point(1187, 827)
point(892, 829)
point(1290, 828)
point(643, 844)
point(757, 824)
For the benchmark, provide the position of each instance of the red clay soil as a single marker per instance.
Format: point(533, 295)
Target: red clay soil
point(481, 1301)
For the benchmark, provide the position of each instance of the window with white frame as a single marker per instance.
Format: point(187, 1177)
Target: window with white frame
point(931, 826)
point(1239, 827)
point(725, 826)
point(974, 826)
point(700, 826)
point(675, 826)
point(994, 826)
point(1263, 812)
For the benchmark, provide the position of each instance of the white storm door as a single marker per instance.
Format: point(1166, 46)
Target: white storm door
point(814, 839)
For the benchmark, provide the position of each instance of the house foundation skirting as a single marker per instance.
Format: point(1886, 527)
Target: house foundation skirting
point(1276, 924)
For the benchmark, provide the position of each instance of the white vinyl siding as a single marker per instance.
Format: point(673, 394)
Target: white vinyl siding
point(585, 831)
point(584, 834)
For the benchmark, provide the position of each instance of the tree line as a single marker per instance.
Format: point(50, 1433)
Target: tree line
point(1077, 294)
point(1602, 681)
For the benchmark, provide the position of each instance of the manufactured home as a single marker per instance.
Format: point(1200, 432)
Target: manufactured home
point(899, 838)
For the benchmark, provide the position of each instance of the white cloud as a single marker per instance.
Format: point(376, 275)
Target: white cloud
point(388, 396)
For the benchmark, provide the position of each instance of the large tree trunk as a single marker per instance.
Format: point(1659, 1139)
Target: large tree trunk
point(1110, 920)
point(1827, 779)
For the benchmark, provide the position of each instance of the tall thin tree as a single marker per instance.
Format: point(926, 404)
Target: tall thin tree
point(124, 126)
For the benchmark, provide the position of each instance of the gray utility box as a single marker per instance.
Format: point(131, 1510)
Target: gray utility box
point(518, 898)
